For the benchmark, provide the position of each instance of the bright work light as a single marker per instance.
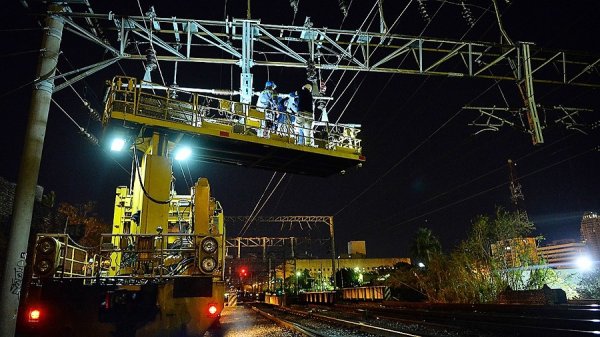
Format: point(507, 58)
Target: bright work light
point(117, 144)
point(183, 153)
point(584, 263)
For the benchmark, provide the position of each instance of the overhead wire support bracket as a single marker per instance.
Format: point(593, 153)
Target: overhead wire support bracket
point(84, 72)
point(433, 56)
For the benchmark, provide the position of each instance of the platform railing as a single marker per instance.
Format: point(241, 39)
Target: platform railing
point(128, 96)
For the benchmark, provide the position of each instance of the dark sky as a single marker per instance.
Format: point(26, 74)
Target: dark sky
point(424, 167)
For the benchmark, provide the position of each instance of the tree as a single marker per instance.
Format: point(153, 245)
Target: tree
point(471, 273)
point(347, 278)
point(425, 245)
point(84, 215)
point(489, 273)
point(589, 286)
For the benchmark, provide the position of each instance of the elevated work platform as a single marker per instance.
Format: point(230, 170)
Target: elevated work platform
point(225, 131)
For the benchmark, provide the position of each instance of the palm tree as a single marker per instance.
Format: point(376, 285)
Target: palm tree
point(425, 245)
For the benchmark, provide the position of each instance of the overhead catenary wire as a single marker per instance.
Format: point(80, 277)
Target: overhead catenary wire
point(257, 203)
point(417, 147)
point(365, 76)
point(355, 51)
point(82, 130)
point(252, 218)
point(369, 187)
point(19, 53)
point(486, 174)
point(593, 149)
point(150, 39)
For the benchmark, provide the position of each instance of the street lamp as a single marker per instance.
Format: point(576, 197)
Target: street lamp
point(297, 286)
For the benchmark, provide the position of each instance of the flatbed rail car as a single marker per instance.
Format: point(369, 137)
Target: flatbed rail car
point(231, 132)
point(143, 279)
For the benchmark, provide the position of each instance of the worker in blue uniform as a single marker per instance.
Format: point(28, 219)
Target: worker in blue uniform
point(267, 102)
point(288, 107)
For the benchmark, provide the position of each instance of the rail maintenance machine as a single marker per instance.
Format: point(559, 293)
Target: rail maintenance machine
point(161, 270)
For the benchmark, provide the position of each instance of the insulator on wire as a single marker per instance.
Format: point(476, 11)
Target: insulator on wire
point(322, 87)
point(343, 7)
point(93, 113)
point(151, 13)
point(151, 61)
point(467, 15)
point(311, 71)
point(88, 136)
point(423, 10)
point(308, 23)
point(294, 5)
point(173, 90)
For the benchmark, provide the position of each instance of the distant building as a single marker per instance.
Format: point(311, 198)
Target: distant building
point(516, 252)
point(357, 249)
point(321, 270)
point(561, 255)
point(590, 233)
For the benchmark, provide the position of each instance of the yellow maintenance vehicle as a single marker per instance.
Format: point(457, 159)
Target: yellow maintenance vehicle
point(159, 273)
point(161, 270)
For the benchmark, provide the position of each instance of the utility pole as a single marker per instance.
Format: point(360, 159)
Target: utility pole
point(516, 192)
point(29, 171)
point(333, 270)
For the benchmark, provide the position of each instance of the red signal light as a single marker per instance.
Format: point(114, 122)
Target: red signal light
point(243, 271)
point(34, 315)
point(212, 309)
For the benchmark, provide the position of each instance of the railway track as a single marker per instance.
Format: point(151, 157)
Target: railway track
point(492, 320)
point(438, 320)
point(317, 325)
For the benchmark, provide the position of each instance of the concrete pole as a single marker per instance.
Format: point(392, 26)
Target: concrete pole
point(28, 173)
point(270, 276)
point(333, 270)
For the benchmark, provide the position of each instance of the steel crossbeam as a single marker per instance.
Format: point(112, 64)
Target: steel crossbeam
point(334, 49)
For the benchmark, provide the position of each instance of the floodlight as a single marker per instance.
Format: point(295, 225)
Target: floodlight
point(117, 144)
point(584, 263)
point(183, 153)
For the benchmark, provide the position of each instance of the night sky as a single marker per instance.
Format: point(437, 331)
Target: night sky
point(425, 166)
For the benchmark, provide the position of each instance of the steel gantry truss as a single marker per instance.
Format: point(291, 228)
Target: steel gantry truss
point(250, 43)
point(202, 41)
point(239, 243)
point(493, 118)
point(291, 220)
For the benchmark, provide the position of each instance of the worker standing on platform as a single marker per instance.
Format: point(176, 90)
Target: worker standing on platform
point(305, 116)
point(267, 102)
point(288, 107)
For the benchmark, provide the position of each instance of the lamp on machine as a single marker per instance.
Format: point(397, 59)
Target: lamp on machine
point(212, 310)
point(584, 263)
point(117, 144)
point(208, 250)
point(33, 315)
point(183, 153)
point(47, 256)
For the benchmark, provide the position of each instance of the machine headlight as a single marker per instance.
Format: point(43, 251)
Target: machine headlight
point(46, 245)
point(209, 245)
point(43, 267)
point(208, 264)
